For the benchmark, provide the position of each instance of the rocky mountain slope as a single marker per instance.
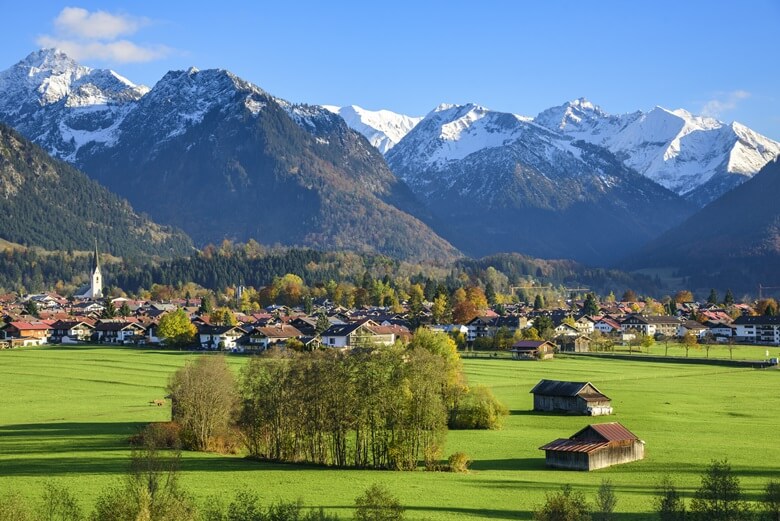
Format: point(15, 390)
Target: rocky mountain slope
point(502, 182)
point(47, 203)
point(221, 158)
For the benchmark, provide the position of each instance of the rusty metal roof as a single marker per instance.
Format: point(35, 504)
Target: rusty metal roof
point(567, 445)
point(592, 438)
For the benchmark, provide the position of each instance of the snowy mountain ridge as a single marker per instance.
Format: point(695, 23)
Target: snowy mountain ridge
point(382, 128)
point(697, 157)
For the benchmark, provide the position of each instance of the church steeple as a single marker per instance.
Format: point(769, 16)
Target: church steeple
point(96, 285)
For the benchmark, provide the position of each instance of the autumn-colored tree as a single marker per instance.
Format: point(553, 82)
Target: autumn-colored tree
point(458, 296)
point(204, 395)
point(629, 296)
point(176, 329)
point(463, 312)
point(477, 297)
point(683, 296)
point(223, 317)
point(766, 306)
point(440, 309)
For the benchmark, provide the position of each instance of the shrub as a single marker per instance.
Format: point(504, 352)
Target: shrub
point(458, 462)
point(719, 498)
point(378, 504)
point(668, 503)
point(13, 507)
point(161, 435)
point(566, 505)
point(478, 409)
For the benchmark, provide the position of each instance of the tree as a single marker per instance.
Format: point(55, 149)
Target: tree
point(647, 342)
point(629, 296)
point(124, 310)
point(689, 341)
point(176, 329)
point(204, 399)
point(719, 498)
point(770, 504)
point(149, 492)
point(543, 324)
point(58, 504)
point(109, 310)
point(206, 305)
point(439, 310)
point(538, 302)
point(605, 501)
point(223, 317)
point(590, 307)
point(728, 300)
point(767, 307)
point(31, 308)
point(713, 298)
point(668, 503)
point(464, 312)
point(683, 296)
point(377, 503)
point(322, 323)
point(565, 505)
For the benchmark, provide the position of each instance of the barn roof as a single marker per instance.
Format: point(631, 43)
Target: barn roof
point(560, 388)
point(592, 438)
point(567, 445)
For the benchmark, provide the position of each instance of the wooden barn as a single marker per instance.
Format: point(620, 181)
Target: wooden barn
point(570, 397)
point(594, 447)
point(532, 350)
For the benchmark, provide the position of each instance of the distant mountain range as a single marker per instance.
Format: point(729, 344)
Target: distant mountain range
point(221, 158)
point(48, 203)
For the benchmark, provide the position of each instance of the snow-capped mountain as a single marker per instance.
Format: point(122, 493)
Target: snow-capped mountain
point(62, 105)
point(382, 128)
point(697, 157)
point(503, 182)
point(219, 157)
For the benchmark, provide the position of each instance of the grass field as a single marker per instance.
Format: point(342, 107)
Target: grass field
point(66, 415)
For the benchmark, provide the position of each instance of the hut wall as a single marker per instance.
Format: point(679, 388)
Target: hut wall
point(616, 454)
point(596, 407)
point(566, 460)
point(558, 404)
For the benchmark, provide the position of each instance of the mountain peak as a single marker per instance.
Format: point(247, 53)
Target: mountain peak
point(383, 128)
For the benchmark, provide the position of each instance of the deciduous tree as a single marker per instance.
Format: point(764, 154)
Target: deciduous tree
point(176, 329)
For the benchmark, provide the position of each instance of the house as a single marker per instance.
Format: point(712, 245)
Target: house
point(219, 337)
point(566, 329)
point(479, 327)
point(693, 327)
point(606, 325)
point(594, 447)
point(354, 334)
point(758, 330)
point(570, 397)
point(585, 324)
point(650, 325)
point(261, 338)
point(37, 330)
point(721, 331)
point(532, 349)
point(70, 331)
point(119, 332)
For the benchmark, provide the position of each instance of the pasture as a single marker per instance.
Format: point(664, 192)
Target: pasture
point(66, 415)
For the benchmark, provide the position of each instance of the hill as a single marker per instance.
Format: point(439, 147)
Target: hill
point(48, 203)
point(735, 240)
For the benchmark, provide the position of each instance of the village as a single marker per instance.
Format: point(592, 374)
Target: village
point(527, 331)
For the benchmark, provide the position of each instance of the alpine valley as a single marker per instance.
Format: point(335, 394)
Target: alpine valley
point(218, 157)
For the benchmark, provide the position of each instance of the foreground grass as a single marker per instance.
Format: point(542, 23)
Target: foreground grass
point(66, 415)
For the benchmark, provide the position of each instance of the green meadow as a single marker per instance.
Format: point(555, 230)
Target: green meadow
point(66, 415)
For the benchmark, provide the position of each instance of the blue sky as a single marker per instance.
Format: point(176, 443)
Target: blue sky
point(713, 57)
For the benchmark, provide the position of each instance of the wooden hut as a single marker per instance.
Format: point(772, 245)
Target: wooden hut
point(532, 350)
point(594, 447)
point(570, 397)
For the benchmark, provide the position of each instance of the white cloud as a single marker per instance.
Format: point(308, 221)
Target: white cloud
point(724, 102)
point(85, 35)
point(99, 25)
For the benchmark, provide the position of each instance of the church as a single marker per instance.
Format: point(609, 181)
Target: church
point(93, 290)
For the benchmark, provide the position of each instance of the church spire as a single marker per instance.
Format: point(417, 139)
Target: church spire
point(97, 257)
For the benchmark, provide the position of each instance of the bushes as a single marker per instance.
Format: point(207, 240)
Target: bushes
point(458, 462)
point(478, 409)
point(378, 504)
